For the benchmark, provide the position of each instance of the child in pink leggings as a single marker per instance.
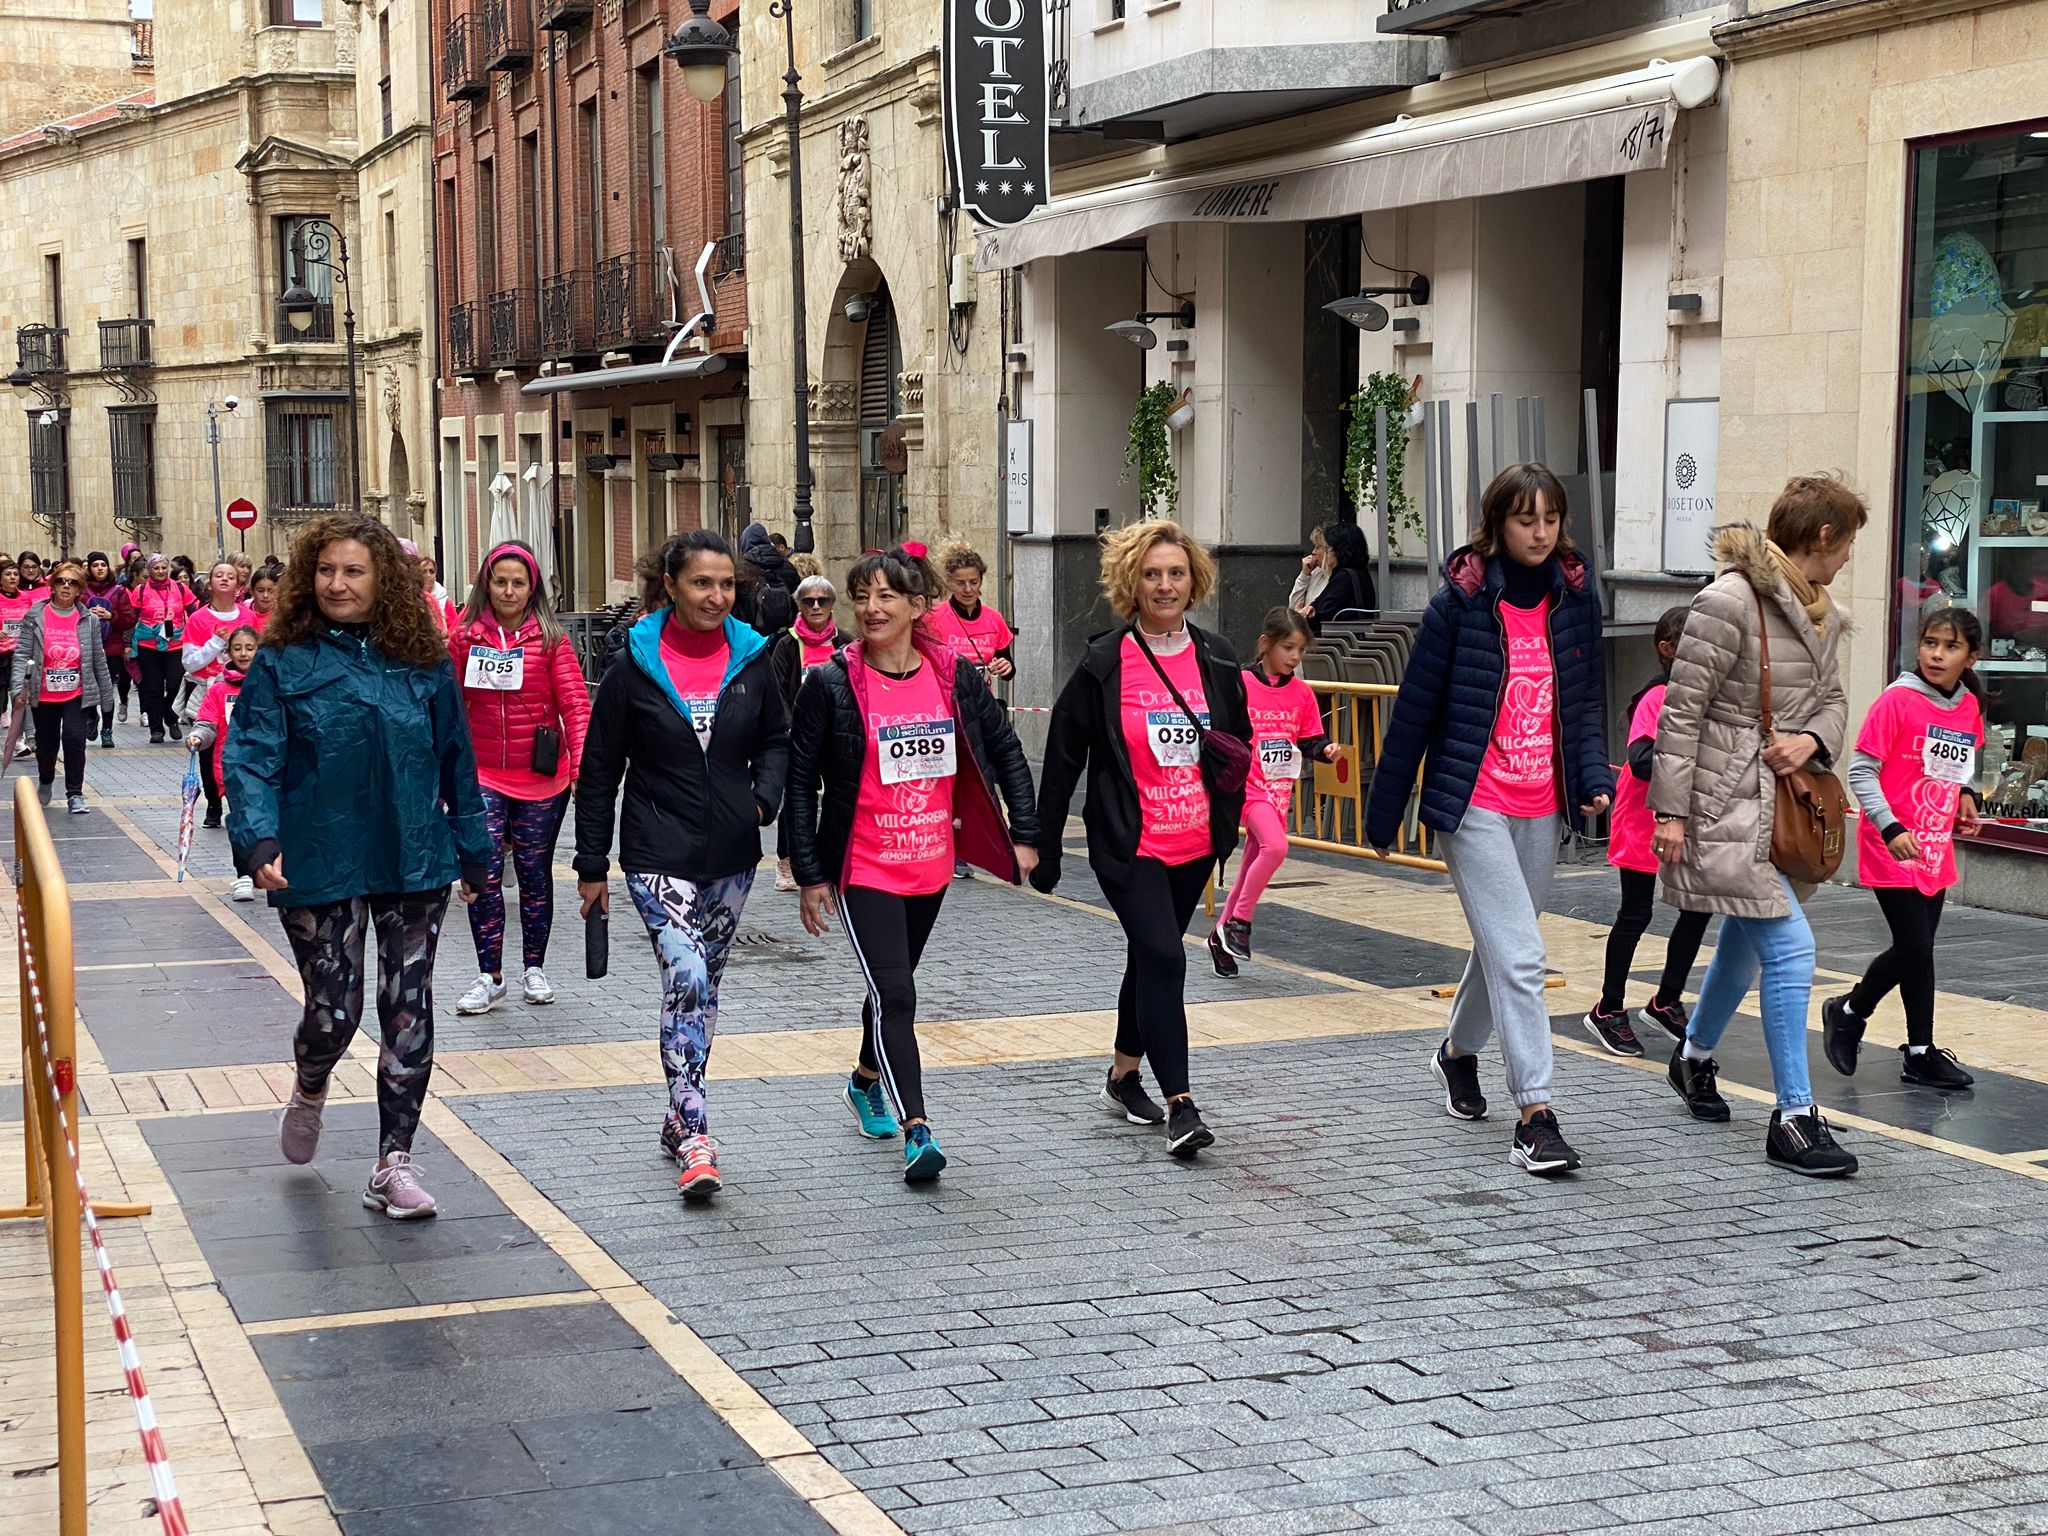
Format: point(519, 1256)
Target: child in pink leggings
point(1287, 726)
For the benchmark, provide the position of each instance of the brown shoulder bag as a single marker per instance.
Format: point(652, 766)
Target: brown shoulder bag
point(1812, 811)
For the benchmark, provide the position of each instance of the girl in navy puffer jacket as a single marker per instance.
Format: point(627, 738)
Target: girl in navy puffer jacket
point(1502, 710)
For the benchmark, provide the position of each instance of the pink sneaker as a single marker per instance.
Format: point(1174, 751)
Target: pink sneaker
point(396, 1190)
point(298, 1129)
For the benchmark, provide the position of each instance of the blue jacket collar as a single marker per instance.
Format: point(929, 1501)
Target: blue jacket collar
point(743, 644)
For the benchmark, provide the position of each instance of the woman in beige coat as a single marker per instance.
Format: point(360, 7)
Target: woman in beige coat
point(1714, 795)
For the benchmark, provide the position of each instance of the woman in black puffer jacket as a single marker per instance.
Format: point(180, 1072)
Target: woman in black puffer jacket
point(908, 750)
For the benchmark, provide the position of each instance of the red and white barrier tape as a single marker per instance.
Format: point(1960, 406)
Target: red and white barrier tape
point(169, 1511)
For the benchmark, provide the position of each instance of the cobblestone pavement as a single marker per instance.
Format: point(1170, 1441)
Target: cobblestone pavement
point(1352, 1314)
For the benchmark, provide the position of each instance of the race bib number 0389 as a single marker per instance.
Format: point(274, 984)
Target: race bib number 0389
point(918, 749)
point(1176, 740)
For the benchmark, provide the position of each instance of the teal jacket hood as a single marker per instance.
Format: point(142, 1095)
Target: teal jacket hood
point(742, 642)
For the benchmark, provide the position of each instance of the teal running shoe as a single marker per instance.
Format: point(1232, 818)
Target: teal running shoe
point(870, 1108)
point(922, 1159)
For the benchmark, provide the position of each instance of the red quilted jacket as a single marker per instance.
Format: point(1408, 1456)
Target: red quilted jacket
point(502, 723)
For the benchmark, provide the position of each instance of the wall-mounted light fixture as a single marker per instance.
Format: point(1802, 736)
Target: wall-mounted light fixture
point(1139, 334)
point(1364, 310)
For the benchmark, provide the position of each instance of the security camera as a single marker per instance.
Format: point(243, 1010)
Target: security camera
point(857, 308)
point(47, 419)
point(231, 402)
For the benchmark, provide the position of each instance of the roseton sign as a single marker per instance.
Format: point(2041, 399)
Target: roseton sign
point(995, 95)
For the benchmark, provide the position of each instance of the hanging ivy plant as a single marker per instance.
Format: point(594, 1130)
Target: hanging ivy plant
point(1148, 453)
point(1361, 467)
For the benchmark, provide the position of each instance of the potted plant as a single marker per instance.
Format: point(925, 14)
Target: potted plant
point(1362, 469)
point(1182, 416)
point(1148, 454)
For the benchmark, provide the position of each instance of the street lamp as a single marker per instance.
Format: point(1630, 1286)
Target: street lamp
point(214, 412)
point(320, 243)
point(703, 50)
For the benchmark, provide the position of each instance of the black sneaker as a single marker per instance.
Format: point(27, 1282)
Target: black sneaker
point(1185, 1133)
point(1694, 1083)
point(1460, 1078)
point(1220, 957)
point(1669, 1017)
point(1841, 1032)
point(1933, 1068)
point(1612, 1031)
point(1237, 938)
point(212, 822)
point(1804, 1144)
point(1540, 1147)
point(1128, 1097)
point(156, 738)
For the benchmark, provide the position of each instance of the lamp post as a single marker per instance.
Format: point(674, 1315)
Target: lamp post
point(214, 412)
point(321, 243)
point(702, 49)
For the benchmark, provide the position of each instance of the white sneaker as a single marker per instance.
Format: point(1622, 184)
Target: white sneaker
point(784, 879)
point(482, 997)
point(245, 889)
point(533, 986)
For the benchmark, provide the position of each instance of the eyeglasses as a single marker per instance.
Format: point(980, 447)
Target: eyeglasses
point(815, 602)
point(65, 581)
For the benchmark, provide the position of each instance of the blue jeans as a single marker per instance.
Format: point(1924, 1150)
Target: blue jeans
point(1782, 947)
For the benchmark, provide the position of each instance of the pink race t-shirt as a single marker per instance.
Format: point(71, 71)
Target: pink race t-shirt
point(1282, 718)
point(1928, 754)
point(976, 639)
point(12, 611)
point(1628, 838)
point(697, 668)
point(1165, 752)
point(903, 817)
point(62, 673)
point(205, 624)
point(1518, 776)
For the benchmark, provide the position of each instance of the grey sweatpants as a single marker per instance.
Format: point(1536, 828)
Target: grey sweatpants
point(1502, 868)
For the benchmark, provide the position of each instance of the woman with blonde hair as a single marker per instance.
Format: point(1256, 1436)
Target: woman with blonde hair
point(1161, 810)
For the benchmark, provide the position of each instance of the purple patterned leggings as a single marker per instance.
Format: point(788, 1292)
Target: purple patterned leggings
point(530, 828)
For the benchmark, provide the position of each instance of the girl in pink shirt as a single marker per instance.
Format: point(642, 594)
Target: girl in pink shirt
point(1914, 775)
point(1287, 728)
point(14, 607)
point(205, 658)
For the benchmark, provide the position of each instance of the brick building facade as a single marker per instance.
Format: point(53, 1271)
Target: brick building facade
point(577, 189)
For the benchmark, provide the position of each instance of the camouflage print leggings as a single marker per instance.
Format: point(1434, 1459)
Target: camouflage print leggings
point(327, 941)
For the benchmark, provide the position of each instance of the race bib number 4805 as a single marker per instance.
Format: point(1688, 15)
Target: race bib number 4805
point(1949, 755)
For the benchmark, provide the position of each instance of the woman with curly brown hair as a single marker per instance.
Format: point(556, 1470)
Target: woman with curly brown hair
point(353, 801)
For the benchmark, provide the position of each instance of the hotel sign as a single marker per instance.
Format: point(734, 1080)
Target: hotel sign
point(993, 70)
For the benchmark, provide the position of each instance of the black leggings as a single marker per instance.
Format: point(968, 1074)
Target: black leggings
point(1638, 898)
point(888, 935)
point(1154, 907)
point(1908, 964)
point(65, 722)
point(209, 781)
point(162, 672)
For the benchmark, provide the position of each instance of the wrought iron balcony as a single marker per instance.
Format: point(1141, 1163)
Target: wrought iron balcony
point(40, 348)
point(462, 338)
point(565, 329)
point(563, 15)
point(462, 71)
point(126, 344)
point(627, 301)
point(731, 255)
point(319, 327)
point(515, 336)
point(506, 27)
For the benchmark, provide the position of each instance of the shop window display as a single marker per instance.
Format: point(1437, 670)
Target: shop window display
point(1973, 524)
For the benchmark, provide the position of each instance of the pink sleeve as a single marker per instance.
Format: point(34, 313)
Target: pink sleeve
point(1880, 727)
point(1643, 723)
point(1008, 635)
point(1310, 720)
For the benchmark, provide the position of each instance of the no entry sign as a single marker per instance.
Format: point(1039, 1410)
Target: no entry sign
point(242, 513)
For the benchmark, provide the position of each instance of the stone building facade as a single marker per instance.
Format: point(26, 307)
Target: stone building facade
point(891, 341)
point(59, 58)
point(580, 192)
point(143, 248)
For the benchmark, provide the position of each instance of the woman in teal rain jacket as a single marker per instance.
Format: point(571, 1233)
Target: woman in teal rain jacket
point(353, 801)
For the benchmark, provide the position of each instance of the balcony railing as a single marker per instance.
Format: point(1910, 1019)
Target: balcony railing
point(507, 28)
point(462, 338)
point(40, 348)
point(462, 71)
point(731, 255)
point(515, 336)
point(319, 327)
point(126, 344)
point(627, 301)
point(565, 329)
point(562, 15)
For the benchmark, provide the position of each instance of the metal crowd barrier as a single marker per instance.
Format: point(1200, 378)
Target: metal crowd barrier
point(1329, 807)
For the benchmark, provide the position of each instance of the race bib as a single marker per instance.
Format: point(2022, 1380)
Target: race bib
point(1949, 755)
point(1176, 741)
point(12, 628)
point(495, 670)
point(1279, 759)
point(60, 679)
point(918, 749)
point(703, 715)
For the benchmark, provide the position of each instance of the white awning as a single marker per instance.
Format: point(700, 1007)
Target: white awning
point(614, 378)
point(1605, 127)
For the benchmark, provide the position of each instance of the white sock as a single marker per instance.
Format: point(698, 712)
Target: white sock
point(1692, 1052)
point(1918, 1050)
point(1803, 1109)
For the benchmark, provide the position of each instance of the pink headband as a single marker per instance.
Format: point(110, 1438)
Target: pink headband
point(513, 552)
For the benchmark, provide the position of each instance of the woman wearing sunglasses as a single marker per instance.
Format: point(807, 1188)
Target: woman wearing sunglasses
point(60, 674)
point(807, 643)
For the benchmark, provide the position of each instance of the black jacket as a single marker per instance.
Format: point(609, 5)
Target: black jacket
point(685, 814)
point(828, 740)
point(1087, 732)
point(786, 657)
point(1348, 591)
